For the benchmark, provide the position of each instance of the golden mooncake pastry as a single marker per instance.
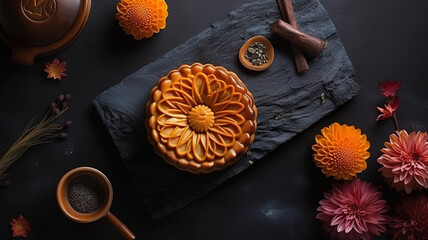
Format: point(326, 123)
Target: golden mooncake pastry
point(201, 118)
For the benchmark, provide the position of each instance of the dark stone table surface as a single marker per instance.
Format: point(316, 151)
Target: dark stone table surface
point(273, 199)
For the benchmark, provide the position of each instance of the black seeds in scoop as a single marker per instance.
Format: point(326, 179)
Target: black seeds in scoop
point(257, 54)
point(85, 194)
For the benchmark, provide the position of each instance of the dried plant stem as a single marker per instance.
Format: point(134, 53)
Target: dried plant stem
point(394, 116)
point(40, 133)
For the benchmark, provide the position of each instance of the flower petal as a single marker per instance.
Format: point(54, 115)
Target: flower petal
point(200, 88)
point(389, 89)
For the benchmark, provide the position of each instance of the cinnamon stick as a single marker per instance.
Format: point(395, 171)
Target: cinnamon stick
point(287, 13)
point(311, 45)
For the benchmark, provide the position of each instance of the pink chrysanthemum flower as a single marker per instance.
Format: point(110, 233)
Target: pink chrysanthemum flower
point(405, 161)
point(410, 219)
point(352, 211)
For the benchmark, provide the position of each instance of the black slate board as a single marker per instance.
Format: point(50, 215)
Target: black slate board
point(287, 102)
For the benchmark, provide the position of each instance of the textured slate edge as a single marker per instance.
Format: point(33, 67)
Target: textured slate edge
point(297, 105)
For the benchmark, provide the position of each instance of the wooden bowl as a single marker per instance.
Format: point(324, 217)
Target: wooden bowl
point(65, 205)
point(250, 65)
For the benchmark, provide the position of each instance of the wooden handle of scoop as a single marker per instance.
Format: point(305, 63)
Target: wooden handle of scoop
point(120, 226)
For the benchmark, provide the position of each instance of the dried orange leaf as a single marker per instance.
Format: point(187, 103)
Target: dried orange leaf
point(56, 69)
point(20, 227)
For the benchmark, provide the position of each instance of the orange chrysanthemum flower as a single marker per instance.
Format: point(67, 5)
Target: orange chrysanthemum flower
point(142, 18)
point(341, 151)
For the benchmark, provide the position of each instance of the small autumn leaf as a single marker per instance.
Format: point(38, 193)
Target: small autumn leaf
point(56, 69)
point(20, 227)
point(389, 109)
point(389, 89)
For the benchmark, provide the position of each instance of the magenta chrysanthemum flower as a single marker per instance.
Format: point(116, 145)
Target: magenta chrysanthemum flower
point(410, 219)
point(405, 161)
point(352, 211)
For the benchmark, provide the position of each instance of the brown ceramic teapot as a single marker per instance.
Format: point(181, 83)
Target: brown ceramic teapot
point(40, 27)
